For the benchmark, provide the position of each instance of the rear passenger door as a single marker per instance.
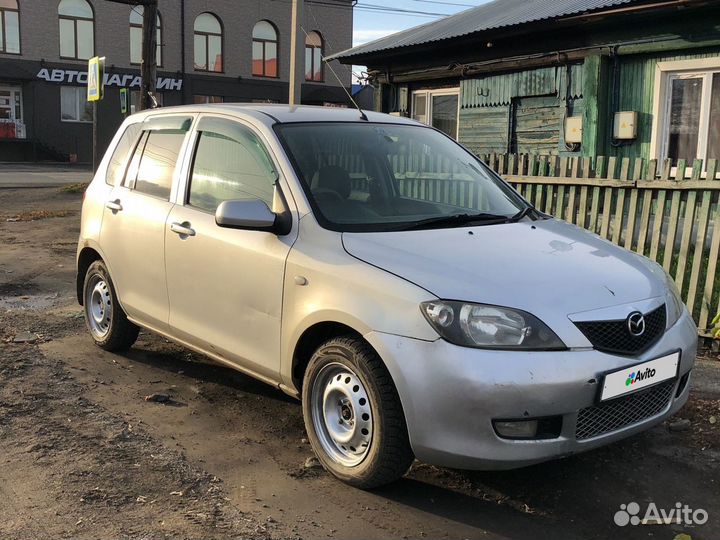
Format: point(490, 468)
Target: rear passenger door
point(133, 230)
point(226, 285)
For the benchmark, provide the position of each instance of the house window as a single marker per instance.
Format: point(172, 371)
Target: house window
point(313, 57)
point(136, 22)
point(74, 106)
point(208, 43)
point(9, 27)
point(199, 99)
point(265, 50)
point(687, 110)
point(77, 29)
point(437, 108)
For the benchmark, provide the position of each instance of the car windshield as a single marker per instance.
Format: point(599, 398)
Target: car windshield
point(381, 177)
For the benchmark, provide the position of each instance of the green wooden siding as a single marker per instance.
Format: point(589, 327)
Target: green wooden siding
point(485, 129)
point(637, 81)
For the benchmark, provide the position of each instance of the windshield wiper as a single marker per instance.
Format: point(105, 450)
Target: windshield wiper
point(455, 220)
point(521, 214)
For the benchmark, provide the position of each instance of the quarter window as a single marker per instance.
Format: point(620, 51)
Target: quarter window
point(313, 57)
point(77, 29)
point(265, 50)
point(118, 160)
point(9, 27)
point(74, 106)
point(230, 164)
point(136, 22)
point(208, 43)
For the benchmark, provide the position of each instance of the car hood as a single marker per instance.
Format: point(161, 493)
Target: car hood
point(549, 268)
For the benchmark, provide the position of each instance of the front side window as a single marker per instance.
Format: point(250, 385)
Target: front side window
point(208, 43)
point(230, 164)
point(9, 27)
point(384, 177)
point(136, 22)
point(437, 108)
point(74, 106)
point(77, 29)
point(313, 57)
point(692, 118)
point(265, 50)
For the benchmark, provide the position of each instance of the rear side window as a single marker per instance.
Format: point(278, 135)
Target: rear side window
point(118, 160)
point(155, 160)
point(230, 164)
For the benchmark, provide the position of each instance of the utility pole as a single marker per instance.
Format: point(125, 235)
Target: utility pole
point(297, 54)
point(148, 67)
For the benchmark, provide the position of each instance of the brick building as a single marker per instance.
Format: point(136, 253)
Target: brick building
point(208, 50)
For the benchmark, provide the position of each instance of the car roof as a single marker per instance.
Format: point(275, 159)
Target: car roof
point(271, 114)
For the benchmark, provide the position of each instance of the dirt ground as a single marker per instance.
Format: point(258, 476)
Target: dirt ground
point(83, 455)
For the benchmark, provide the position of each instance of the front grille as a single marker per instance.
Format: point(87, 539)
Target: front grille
point(623, 411)
point(614, 336)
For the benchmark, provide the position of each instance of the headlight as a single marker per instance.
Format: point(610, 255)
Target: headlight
point(489, 327)
point(673, 301)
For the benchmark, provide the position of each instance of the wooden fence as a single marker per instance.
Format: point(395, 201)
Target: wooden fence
point(669, 214)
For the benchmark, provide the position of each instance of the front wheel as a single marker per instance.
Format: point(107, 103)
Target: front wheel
point(106, 320)
point(353, 415)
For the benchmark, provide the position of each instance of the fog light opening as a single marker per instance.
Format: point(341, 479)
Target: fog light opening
point(517, 429)
point(529, 429)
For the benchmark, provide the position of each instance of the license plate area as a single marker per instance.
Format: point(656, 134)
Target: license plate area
point(639, 376)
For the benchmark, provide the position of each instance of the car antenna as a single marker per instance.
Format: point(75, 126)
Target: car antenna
point(363, 116)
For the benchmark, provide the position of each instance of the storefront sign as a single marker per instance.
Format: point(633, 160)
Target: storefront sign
point(116, 79)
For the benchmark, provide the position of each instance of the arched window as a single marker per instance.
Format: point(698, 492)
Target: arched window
point(208, 43)
point(265, 50)
point(313, 57)
point(9, 27)
point(136, 22)
point(77, 29)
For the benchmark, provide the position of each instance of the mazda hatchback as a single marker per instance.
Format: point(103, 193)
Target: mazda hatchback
point(378, 271)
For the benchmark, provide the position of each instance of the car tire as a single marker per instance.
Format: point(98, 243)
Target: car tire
point(107, 322)
point(353, 415)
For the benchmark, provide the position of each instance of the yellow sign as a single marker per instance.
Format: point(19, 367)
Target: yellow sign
point(95, 78)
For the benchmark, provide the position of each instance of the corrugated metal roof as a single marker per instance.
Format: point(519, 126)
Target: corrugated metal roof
point(497, 14)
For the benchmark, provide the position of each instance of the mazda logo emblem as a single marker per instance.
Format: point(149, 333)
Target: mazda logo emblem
point(636, 324)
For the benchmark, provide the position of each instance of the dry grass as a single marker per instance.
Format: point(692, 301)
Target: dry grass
point(35, 215)
point(80, 187)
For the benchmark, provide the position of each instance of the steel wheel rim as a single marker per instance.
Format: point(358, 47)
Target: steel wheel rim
point(341, 414)
point(98, 306)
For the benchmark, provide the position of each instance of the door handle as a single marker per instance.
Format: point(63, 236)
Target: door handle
point(183, 229)
point(115, 205)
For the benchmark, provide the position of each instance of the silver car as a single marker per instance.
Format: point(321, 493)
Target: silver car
point(375, 269)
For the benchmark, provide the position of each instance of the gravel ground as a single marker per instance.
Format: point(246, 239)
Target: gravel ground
point(84, 455)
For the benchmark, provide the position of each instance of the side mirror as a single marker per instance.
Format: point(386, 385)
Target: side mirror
point(252, 214)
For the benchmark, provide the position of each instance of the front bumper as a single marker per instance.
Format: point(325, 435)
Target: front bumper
point(451, 395)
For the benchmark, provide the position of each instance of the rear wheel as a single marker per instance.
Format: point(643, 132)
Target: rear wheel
point(353, 415)
point(106, 320)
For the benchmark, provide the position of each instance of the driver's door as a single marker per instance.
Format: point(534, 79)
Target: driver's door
point(225, 285)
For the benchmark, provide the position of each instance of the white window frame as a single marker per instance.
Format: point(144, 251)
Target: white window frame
point(665, 73)
point(80, 97)
point(429, 94)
